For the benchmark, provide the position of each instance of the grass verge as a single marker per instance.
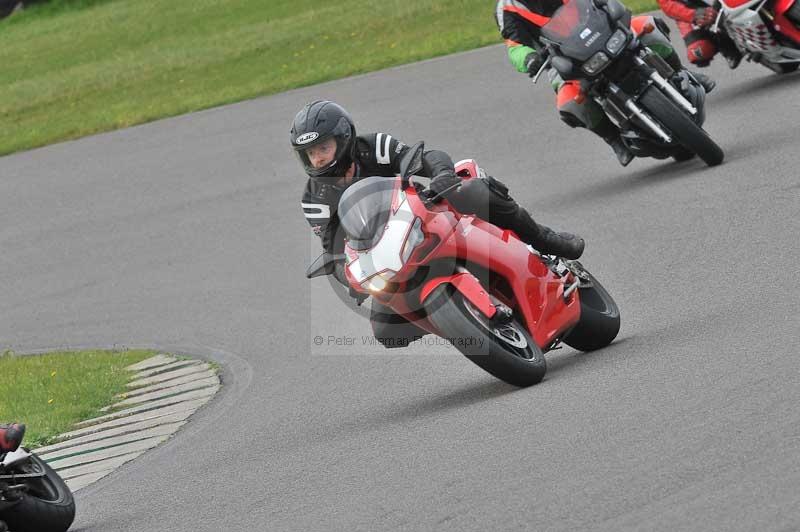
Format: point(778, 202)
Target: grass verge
point(51, 392)
point(76, 67)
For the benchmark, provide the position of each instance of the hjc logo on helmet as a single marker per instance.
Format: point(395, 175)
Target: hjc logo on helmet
point(305, 138)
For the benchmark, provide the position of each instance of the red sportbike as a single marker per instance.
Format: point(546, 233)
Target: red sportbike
point(493, 297)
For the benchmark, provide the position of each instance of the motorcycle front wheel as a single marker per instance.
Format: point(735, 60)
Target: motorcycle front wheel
point(48, 505)
point(504, 350)
point(599, 323)
point(689, 134)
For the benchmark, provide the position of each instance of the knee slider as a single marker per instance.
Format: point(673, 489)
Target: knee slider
point(699, 47)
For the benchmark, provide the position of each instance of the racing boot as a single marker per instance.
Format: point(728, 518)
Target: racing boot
point(610, 134)
point(624, 155)
point(544, 239)
point(733, 60)
point(10, 437)
point(729, 51)
point(733, 56)
point(675, 62)
point(706, 81)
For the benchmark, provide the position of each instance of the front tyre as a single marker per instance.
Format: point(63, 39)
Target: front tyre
point(48, 506)
point(504, 350)
point(686, 132)
point(599, 323)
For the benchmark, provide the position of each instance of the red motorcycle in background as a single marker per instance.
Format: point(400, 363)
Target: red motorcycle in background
point(493, 297)
point(33, 498)
point(764, 31)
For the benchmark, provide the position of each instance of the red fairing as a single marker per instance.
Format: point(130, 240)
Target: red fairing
point(677, 10)
point(733, 4)
point(536, 292)
point(783, 24)
point(467, 169)
point(467, 284)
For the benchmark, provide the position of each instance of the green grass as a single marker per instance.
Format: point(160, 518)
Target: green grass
point(51, 392)
point(75, 67)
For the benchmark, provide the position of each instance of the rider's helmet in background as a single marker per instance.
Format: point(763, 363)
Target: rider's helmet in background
point(316, 123)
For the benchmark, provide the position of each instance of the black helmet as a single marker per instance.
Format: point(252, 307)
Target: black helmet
point(314, 124)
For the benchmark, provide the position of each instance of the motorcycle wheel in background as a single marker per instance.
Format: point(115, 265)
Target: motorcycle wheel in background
point(505, 350)
point(47, 506)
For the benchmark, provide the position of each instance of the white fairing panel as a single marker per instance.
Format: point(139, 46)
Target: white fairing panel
point(750, 33)
point(386, 255)
point(20, 455)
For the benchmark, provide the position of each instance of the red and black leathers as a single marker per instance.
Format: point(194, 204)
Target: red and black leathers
point(693, 17)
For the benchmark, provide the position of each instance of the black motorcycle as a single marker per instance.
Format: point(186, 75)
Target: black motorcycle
point(659, 111)
point(33, 498)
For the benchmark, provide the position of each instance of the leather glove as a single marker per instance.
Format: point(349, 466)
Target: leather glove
point(442, 183)
point(705, 16)
point(534, 62)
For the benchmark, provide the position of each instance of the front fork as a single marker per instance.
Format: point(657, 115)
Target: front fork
point(627, 105)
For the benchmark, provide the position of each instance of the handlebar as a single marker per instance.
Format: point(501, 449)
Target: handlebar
point(542, 69)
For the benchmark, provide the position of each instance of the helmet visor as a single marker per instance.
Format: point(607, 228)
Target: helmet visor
point(320, 155)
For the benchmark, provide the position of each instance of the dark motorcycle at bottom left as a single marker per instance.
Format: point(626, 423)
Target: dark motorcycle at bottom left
point(33, 498)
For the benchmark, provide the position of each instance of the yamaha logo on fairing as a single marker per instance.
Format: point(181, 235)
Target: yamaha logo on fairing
point(305, 138)
point(591, 39)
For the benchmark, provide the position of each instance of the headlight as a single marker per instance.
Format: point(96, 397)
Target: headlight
point(415, 238)
point(596, 63)
point(378, 283)
point(616, 42)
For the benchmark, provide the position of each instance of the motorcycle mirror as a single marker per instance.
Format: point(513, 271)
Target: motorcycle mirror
point(323, 265)
point(411, 161)
point(615, 9)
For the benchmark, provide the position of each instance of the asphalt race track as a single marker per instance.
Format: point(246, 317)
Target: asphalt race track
point(187, 235)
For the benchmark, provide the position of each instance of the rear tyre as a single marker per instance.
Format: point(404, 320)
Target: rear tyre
point(504, 350)
point(788, 68)
point(48, 506)
point(599, 323)
point(690, 135)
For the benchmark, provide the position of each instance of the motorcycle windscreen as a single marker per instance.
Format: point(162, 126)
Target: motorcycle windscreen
point(579, 28)
point(364, 209)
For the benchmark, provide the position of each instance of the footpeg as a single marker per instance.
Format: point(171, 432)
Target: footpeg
point(571, 288)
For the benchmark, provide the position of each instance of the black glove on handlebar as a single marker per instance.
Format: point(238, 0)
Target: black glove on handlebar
point(441, 185)
point(534, 62)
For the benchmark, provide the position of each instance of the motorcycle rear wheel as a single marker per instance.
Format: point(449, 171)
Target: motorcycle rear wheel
point(505, 351)
point(689, 134)
point(48, 506)
point(600, 321)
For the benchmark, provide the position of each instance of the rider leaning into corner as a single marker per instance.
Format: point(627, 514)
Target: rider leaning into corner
point(520, 23)
point(694, 18)
point(324, 138)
